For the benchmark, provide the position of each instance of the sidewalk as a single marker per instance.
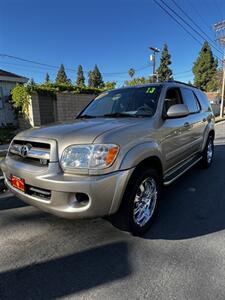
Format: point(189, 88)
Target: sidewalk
point(219, 119)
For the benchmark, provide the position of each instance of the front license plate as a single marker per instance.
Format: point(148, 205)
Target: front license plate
point(18, 183)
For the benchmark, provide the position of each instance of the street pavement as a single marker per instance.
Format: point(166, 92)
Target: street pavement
point(181, 257)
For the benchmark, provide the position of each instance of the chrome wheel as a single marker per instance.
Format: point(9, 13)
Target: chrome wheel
point(209, 153)
point(145, 201)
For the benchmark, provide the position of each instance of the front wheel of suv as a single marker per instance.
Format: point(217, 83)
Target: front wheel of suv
point(208, 153)
point(140, 202)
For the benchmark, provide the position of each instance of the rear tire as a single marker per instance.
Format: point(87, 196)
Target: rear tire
point(208, 153)
point(140, 202)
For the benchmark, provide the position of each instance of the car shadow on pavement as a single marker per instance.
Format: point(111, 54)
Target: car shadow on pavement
point(67, 275)
point(194, 205)
point(9, 202)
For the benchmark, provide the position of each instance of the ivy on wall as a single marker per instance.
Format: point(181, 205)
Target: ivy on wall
point(21, 93)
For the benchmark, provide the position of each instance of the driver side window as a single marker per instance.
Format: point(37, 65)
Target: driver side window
point(173, 96)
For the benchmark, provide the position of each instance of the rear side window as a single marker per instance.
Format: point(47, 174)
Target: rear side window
point(190, 100)
point(203, 100)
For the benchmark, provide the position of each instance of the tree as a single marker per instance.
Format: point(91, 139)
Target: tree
point(32, 82)
point(109, 85)
point(139, 80)
point(61, 76)
point(131, 72)
point(47, 78)
point(98, 81)
point(164, 72)
point(136, 81)
point(205, 70)
point(90, 79)
point(80, 76)
point(95, 78)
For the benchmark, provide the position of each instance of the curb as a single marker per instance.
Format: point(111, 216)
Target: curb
point(219, 120)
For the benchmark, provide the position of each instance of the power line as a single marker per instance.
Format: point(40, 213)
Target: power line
point(193, 22)
point(190, 26)
point(68, 69)
point(181, 25)
point(184, 28)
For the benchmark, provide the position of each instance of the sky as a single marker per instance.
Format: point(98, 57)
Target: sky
point(115, 35)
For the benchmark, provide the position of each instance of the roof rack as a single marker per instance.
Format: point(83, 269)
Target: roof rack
point(176, 81)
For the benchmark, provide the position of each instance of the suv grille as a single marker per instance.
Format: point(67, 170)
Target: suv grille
point(31, 152)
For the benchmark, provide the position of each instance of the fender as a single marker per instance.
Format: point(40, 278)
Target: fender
point(209, 128)
point(139, 153)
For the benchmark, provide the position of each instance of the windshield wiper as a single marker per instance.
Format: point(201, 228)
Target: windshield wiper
point(86, 117)
point(118, 115)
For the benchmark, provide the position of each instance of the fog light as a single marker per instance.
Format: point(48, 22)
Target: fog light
point(81, 197)
point(78, 200)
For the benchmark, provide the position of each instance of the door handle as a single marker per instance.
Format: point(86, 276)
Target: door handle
point(186, 124)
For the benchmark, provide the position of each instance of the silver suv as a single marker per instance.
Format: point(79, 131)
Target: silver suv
point(116, 156)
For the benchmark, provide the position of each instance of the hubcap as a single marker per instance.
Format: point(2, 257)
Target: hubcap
point(209, 152)
point(145, 201)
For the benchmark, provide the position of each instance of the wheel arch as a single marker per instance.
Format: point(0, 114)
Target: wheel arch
point(153, 162)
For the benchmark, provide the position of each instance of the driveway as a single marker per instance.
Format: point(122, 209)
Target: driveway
point(181, 257)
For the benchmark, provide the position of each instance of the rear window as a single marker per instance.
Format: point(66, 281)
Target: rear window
point(203, 100)
point(190, 100)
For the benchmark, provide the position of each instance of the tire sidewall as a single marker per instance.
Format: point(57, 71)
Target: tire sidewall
point(205, 162)
point(130, 194)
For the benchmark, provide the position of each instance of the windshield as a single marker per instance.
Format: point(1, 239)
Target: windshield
point(124, 103)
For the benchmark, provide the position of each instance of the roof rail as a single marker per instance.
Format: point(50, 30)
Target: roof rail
point(176, 81)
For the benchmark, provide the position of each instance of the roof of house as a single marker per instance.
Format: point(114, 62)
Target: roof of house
point(8, 76)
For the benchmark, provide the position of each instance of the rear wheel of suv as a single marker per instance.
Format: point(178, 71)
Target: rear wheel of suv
point(208, 152)
point(140, 201)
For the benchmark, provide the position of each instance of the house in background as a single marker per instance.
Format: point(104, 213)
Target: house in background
point(215, 100)
point(7, 82)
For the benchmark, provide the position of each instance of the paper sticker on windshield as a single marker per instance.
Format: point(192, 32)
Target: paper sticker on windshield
point(150, 90)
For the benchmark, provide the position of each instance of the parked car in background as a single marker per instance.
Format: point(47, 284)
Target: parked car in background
point(116, 156)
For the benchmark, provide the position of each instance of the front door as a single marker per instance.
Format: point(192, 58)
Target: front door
point(176, 132)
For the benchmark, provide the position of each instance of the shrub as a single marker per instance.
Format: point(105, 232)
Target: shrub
point(20, 99)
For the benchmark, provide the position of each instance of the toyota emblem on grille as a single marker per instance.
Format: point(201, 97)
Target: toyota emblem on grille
point(24, 150)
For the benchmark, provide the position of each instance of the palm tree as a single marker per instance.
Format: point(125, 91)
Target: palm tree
point(131, 72)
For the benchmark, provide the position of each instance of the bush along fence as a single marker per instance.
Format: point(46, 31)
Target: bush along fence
point(38, 105)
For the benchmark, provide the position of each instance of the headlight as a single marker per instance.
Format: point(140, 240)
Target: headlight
point(97, 156)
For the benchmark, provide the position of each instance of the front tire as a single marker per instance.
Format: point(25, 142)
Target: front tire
point(140, 202)
point(208, 153)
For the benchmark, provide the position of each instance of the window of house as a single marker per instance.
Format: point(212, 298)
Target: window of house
point(190, 100)
point(1, 98)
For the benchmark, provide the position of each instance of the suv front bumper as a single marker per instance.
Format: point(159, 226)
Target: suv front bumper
point(103, 192)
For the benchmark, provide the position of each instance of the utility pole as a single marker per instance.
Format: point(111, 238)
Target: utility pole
point(220, 37)
point(153, 60)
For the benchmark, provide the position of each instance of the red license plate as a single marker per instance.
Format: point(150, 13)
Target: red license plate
point(18, 183)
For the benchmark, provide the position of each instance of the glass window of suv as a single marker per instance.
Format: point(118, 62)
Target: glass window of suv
point(205, 105)
point(134, 101)
point(190, 100)
point(173, 97)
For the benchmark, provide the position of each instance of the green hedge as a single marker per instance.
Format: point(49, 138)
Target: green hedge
point(21, 93)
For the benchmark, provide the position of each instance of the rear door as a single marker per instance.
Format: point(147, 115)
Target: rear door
point(195, 119)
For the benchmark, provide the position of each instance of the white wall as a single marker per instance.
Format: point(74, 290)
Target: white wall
point(6, 113)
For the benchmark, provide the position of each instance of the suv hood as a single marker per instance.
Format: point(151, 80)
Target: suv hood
point(78, 132)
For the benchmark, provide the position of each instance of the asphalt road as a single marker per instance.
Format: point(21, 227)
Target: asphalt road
point(181, 257)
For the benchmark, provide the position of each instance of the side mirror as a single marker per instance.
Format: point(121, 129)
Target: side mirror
point(177, 111)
